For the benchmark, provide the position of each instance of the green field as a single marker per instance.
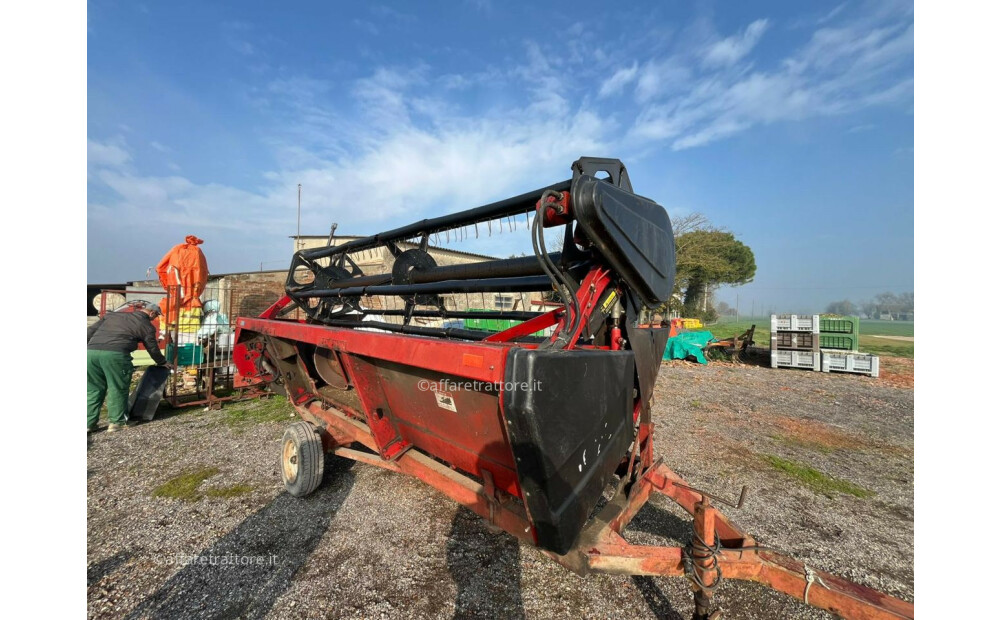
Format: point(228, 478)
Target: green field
point(879, 346)
point(727, 328)
point(886, 328)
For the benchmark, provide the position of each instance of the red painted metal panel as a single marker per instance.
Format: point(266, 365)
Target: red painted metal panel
point(364, 376)
point(394, 374)
point(446, 356)
point(456, 420)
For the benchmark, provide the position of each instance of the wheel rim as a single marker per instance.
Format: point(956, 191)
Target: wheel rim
point(290, 461)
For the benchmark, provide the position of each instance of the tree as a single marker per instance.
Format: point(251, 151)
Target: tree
point(906, 301)
point(681, 226)
point(725, 309)
point(888, 302)
point(870, 309)
point(845, 307)
point(707, 259)
point(687, 223)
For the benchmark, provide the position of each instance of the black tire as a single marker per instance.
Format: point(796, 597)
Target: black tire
point(300, 460)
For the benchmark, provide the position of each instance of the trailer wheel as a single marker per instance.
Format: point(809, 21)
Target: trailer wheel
point(301, 461)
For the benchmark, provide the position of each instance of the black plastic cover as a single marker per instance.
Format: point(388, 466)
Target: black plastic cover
point(568, 432)
point(647, 344)
point(632, 233)
point(142, 403)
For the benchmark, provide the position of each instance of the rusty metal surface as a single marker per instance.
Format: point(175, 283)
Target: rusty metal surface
point(330, 369)
point(719, 551)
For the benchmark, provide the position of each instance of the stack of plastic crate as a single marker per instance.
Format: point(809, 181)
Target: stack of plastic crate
point(839, 337)
point(795, 341)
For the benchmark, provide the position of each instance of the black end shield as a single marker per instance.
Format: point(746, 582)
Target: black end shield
point(568, 430)
point(632, 233)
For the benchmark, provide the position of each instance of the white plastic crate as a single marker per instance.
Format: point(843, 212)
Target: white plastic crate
point(850, 361)
point(795, 323)
point(808, 360)
point(800, 341)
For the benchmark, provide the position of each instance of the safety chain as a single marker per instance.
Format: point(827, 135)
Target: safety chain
point(700, 550)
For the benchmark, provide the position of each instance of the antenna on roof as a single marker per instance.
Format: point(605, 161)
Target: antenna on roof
point(298, 222)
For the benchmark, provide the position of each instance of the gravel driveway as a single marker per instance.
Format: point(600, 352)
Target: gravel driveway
point(187, 517)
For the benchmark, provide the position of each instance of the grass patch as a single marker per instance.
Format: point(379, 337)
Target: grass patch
point(234, 491)
point(695, 404)
point(888, 348)
point(886, 328)
point(727, 328)
point(185, 486)
point(248, 413)
point(815, 479)
point(868, 344)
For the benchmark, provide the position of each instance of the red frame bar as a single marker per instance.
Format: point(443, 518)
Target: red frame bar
point(602, 549)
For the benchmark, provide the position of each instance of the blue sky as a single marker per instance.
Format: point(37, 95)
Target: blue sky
point(788, 123)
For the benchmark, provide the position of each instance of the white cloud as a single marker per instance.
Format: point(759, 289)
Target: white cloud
point(176, 201)
point(109, 153)
point(623, 77)
point(838, 71)
point(235, 35)
point(396, 146)
point(367, 26)
point(731, 50)
point(401, 148)
point(403, 154)
point(833, 13)
point(386, 12)
point(659, 78)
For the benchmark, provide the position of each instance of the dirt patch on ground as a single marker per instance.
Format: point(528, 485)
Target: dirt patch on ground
point(896, 371)
point(817, 435)
point(372, 544)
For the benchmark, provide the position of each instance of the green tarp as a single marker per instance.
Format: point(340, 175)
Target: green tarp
point(688, 344)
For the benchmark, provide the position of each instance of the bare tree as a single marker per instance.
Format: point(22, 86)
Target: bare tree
point(690, 222)
point(845, 307)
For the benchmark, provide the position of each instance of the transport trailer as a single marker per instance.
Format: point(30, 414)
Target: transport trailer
point(533, 427)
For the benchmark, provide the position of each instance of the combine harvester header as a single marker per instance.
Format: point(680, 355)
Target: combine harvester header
point(529, 426)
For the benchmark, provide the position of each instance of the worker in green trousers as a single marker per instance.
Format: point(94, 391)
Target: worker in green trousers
point(110, 343)
point(109, 373)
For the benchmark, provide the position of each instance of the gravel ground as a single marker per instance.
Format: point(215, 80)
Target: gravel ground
point(372, 544)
